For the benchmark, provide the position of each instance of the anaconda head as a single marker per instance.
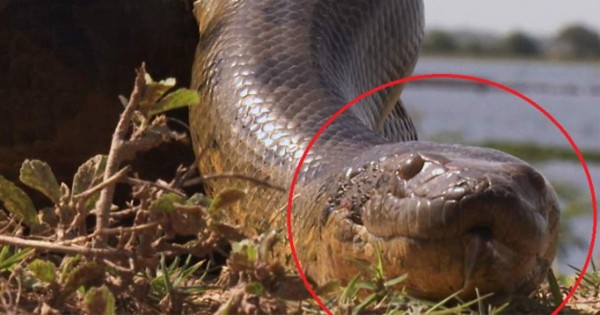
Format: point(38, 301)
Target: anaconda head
point(453, 218)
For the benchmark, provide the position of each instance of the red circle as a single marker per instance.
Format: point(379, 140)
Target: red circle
point(444, 76)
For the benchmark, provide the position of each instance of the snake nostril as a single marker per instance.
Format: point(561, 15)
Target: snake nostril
point(410, 167)
point(532, 178)
point(483, 232)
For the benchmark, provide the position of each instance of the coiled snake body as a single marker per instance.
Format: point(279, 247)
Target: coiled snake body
point(270, 73)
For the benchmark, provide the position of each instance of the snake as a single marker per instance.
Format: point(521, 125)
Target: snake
point(451, 217)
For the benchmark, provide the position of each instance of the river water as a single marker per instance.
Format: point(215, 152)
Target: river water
point(568, 91)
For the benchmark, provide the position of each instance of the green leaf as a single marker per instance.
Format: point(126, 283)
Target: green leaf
point(154, 91)
point(166, 272)
point(362, 306)
point(554, 288)
point(87, 275)
point(100, 301)
point(225, 198)
point(393, 282)
point(176, 99)
point(9, 258)
point(166, 202)
point(238, 247)
point(4, 253)
point(246, 248)
point(198, 199)
point(87, 176)
point(255, 288)
point(252, 254)
point(188, 272)
point(39, 176)
point(18, 203)
point(441, 303)
point(67, 265)
point(44, 271)
point(226, 308)
point(367, 285)
point(379, 273)
point(350, 291)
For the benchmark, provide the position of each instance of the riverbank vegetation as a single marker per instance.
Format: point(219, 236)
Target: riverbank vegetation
point(573, 42)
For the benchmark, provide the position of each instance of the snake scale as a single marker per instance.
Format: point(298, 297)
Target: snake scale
point(452, 217)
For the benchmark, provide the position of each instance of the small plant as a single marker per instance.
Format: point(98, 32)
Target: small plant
point(9, 258)
point(91, 266)
point(373, 294)
point(261, 284)
point(587, 297)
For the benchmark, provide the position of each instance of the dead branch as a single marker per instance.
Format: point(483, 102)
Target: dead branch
point(254, 180)
point(136, 181)
point(53, 247)
point(114, 158)
point(110, 181)
point(136, 228)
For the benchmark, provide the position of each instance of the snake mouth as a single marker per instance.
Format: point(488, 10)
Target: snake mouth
point(451, 223)
point(502, 206)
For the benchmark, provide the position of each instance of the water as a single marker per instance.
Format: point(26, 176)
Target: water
point(570, 92)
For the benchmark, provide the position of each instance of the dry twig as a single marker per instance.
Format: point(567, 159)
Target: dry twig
point(74, 250)
point(254, 180)
point(114, 156)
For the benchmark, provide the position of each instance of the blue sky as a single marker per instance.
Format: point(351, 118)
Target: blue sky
point(539, 17)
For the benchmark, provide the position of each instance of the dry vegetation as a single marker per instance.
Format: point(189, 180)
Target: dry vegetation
point(165, 251)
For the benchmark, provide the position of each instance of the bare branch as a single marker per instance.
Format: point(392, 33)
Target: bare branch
point(254, 180)
point(121, 269)
point(110, 181)
point(53, 247)
point(80, 239)
point(180, 123)
point(114, 160)
point(8, 225)
point(146, 142)
point(136, 181)
point(141, 227)
point(123, 213)
point(179, 181)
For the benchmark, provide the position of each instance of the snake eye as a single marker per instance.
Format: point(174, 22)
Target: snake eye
point(410, 166)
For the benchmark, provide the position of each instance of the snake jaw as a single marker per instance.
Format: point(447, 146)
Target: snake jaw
point(450, 223)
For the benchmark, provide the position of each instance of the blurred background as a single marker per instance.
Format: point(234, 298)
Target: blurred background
point(546, 49)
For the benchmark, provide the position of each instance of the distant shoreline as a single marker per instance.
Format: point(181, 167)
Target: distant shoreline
point(501, 57)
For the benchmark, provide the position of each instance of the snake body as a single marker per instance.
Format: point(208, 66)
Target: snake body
point(452, 217)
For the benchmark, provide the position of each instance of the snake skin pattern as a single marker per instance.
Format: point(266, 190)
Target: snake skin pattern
point(271, 72)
